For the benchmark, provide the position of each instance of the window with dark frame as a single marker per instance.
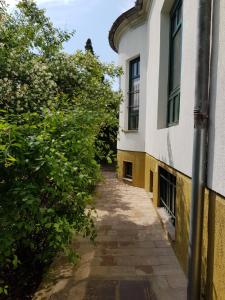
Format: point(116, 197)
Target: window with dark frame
point(167, 193)
point(128, 172)
point(134, 93)
point(175, 64)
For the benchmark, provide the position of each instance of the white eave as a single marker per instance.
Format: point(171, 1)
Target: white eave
point(128, 19)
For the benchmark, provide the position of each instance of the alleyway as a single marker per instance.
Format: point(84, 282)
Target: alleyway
point(132, 259)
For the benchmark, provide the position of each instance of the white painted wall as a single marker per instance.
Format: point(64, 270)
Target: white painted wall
point(132, 44)
point(174, 145)
point(171, 145)
point(216, 170)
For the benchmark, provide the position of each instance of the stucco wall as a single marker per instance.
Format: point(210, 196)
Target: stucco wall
point(183, 191)
point(132, 44)
point(138, 161)
point(151, 40)
point(171, 145)
point(213, 242)
point(216, 171)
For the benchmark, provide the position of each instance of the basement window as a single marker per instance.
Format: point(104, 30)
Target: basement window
point(167, 193)
point(128, 170)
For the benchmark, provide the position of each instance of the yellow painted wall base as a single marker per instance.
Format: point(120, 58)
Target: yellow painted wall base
point(145, 175)
point(138, 161)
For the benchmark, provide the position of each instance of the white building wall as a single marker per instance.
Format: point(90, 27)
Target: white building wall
point(216, 166)
point(171, 145)
point(132, 44)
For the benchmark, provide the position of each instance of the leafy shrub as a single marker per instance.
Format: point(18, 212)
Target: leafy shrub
point(53, 107)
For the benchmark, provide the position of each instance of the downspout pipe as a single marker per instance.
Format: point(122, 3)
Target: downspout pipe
point(200, 145)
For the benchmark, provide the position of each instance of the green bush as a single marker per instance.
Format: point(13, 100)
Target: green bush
point(53, 107)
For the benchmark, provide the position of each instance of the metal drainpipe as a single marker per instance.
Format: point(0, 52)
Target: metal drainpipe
point(199, 162)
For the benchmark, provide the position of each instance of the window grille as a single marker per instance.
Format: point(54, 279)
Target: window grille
point(167, 190)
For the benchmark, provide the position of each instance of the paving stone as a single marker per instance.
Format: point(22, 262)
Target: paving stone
point(167, 260)
point(101, 290)
point(148, 244)
point(144, 270)
point(136, 290)
point(167, 270)
point(107, 244)
point(131, 259)
point(160, 282)
point(170, 294)
point(136, 261)
point(177, 282)
point(108, 261)
point(162, 244)
point(126, 243)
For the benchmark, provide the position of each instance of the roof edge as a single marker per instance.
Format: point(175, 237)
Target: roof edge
point(133, 13)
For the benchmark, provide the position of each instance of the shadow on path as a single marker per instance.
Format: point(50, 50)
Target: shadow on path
point(131, 258)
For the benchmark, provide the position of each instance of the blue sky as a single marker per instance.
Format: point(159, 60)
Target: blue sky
point(89, 18)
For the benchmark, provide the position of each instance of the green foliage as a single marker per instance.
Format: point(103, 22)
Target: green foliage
point(53, 107)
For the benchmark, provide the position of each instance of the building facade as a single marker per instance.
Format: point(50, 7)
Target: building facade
point(156, 43)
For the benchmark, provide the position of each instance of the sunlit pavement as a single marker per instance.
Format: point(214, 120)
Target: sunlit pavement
point(132, 258)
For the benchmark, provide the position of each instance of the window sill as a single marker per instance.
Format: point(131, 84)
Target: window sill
point(129, 131)
point(127, 179)
point(165, 219)
point(172, 124)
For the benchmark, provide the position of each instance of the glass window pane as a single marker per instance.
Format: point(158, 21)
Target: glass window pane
point(133, 121)
point(133, 115)
point(176, 108)
point(175, 68)
point(175, 63)
point(173, 24)
point(170, 112)
point(133, 70)
point(138, 68)
point(128, 170)
point(179, 14)
point(135, 85)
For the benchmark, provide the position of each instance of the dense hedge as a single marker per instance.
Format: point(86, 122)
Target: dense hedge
point(53, 106)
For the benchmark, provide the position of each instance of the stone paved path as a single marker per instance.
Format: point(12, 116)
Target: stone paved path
point(132, 258)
